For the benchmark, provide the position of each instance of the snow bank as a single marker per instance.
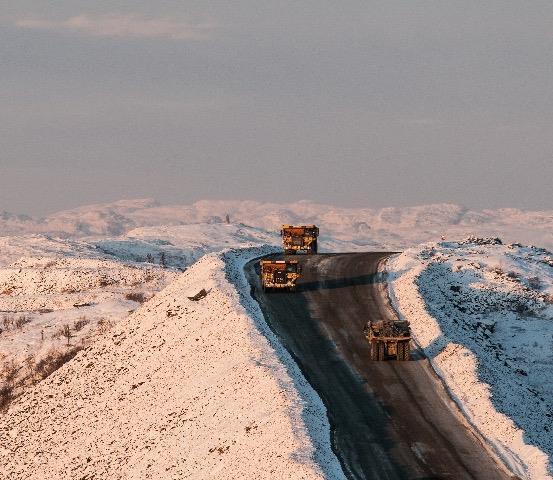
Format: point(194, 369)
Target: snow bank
point(312, 416)
point(177, 389)
point(482, 312)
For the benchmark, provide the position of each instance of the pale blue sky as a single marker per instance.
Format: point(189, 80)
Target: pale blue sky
point(352, 103)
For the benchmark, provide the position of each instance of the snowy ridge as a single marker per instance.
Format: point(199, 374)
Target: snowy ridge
point(181, 245)
point(385, 228)
point(482, 312)
point(232, 409)
point(313, 416)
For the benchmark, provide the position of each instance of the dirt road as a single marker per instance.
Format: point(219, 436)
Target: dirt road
point(389, 420)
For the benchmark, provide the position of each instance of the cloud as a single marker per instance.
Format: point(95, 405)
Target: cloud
point(125, 26)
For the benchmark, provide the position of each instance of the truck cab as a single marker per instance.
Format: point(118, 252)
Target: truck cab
point(279, 274)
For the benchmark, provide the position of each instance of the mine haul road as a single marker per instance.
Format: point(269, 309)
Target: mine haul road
point(389, 420)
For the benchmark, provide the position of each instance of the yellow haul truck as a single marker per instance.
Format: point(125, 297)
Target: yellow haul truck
point(389, 339)
point(279, 274)
point(302, 238)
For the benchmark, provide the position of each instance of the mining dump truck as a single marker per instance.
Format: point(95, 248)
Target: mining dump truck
point(389, 338)
point(302, 238)
point(279, 274)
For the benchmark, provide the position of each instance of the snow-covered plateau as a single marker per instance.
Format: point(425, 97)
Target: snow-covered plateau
point(108, 370)
point(483, 313)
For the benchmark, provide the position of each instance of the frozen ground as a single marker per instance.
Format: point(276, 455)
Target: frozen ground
point(483, 313)
point(229, 407)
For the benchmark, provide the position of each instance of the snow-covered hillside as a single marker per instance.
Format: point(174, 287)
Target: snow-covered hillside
point(239, 405)
point(188, 242)
point(13, 247)
point(386, 228)
point(50, 284)
point(483, 313)
point(178, 389)
point(53, 305)
point(481, 310)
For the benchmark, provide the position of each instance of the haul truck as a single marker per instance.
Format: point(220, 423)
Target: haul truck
point(302, 238)
point(279, 274)
point(389, 338)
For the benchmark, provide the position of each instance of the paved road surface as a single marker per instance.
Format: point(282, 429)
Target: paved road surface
point(390, 420)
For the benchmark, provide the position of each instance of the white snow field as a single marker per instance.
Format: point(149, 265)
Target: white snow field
point(483, 313)
point(179, 389)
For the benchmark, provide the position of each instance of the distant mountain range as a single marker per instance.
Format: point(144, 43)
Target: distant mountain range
point(392, 227)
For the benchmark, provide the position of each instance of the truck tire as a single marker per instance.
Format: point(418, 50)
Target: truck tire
point(381, 351)
point(314, 248)
point(400, 351)
point(406, 351)
point(403, 351)
point(374, 351)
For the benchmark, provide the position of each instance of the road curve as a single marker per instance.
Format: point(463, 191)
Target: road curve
point(389, 420)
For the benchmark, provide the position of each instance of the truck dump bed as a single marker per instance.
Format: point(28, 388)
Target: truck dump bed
point(299, 238)
point(389, 338)
point(384, 329)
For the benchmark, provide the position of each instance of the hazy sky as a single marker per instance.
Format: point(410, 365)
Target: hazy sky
point(353, 103)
